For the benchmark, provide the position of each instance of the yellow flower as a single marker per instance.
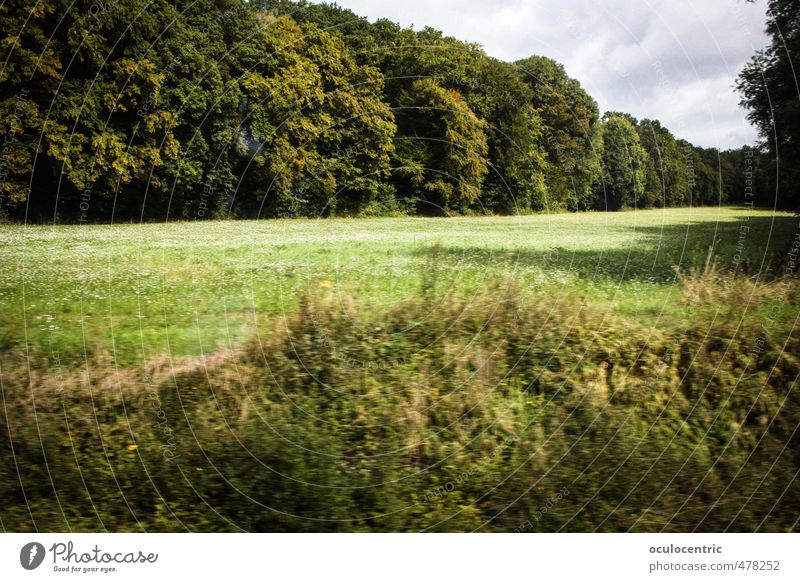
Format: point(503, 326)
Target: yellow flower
point(326, 284)
point(133, 447)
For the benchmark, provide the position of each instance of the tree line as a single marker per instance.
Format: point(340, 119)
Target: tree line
point(192, 109)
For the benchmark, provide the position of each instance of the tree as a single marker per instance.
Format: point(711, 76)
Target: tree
point(769, 89)
point(316, 135)
point(150, 109)
point(624, 165)
point(667, 182)
point(492, 89)
point(29, 75)
point(743, 175)
point(496, 93)
point(570, 118)
point(98, 135)
point(441, 156)
point(703, 166)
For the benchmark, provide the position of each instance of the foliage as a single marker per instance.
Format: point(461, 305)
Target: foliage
point(138, 110)
point(624, 164)
point(444, 157)
point(316, 132)
point(667, 182)
point(570, 119)
point(768, 88)
point(337, 420)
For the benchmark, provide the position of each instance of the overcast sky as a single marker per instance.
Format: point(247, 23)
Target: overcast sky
point(675, 61)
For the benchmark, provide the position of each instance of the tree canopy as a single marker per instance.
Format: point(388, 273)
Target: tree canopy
point(769, 89)
point(193, 109)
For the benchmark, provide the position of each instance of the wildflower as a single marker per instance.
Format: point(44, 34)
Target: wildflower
point(326, 284)
point(133, 447)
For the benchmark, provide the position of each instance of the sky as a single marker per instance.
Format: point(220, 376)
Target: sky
point(675, 61)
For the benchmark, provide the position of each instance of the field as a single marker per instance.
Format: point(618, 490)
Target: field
point(568, 372)
point(140, 291)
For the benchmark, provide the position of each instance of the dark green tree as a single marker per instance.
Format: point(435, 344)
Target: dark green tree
point(570, 118)
point(149, 109)
point(442, 158)
point(624, 165)
point(769, 89)
point(667, 181)
point(317, 136)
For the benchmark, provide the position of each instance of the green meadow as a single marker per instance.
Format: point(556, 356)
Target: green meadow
point(186, 289)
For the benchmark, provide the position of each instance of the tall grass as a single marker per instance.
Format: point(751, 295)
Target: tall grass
point(503, 411)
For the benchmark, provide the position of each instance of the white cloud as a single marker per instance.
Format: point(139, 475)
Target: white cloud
point(673, 61)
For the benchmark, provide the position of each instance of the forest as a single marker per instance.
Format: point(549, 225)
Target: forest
point(140, 110)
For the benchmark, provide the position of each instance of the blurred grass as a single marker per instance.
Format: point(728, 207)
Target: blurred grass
point(437, 414)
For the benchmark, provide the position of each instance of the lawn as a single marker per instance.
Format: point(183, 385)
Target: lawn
point(138, 291)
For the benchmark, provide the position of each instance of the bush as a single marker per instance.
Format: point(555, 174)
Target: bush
point(495, 413)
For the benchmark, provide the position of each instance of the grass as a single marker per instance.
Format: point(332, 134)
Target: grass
point(634, 371)
point(186, 289)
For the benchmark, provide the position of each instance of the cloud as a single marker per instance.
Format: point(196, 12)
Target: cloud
point(673, 61)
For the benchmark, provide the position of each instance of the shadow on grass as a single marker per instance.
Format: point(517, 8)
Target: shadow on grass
point(750, 245)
